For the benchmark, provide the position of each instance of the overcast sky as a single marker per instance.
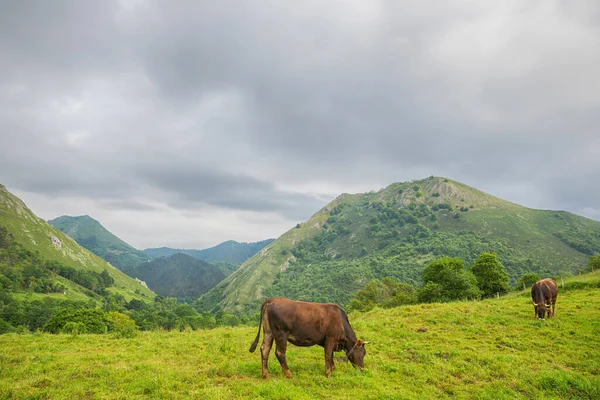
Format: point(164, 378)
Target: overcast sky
point(187, 123)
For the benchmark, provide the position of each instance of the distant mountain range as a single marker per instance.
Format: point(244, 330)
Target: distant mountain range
point(395, 232)
point(93, 236)
point(170, 274)
point(231, 252)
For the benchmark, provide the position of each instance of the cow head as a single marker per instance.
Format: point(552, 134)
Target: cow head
point(541, 309)
point(357, 354)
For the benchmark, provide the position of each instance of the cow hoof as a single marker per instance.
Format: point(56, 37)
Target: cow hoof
point(267, 376)
point(328, 374)
point(288, 374)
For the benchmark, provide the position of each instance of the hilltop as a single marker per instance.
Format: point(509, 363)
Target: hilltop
point(178, 275)
point(48, 244)
point(397, 230)
point(230, 252)
point(90, 234)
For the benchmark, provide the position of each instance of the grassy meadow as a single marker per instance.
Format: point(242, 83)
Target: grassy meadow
point(490, 349)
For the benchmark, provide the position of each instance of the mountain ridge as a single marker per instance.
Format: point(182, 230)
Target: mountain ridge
point(230, 251)
point(92, 235)
point(394, 232)
point(39, 237)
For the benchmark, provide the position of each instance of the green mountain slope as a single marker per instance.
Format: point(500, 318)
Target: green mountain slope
point(90, 234)
point(230, 252)
point(178, 275)
point(395, 232)
point(50, 244)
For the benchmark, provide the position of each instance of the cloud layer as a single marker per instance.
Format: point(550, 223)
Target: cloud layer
point(234, 120)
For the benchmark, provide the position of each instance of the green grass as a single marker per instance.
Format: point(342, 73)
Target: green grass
point(491, 349)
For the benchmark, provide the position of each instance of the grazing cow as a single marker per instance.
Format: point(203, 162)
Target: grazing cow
point(543, 294)
point(306, 324)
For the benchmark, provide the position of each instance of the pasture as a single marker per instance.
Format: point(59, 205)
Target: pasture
point(490, 349)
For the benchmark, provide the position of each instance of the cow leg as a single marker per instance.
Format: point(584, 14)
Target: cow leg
point(281, 343)
point(265, 349)
point(329, 347)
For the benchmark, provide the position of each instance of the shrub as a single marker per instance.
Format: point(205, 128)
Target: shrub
point(122, 325)
point(490, 274)
point(452, 280)
point(74, 328)
point(92, 320)
point(593, 264)
point(527, 280)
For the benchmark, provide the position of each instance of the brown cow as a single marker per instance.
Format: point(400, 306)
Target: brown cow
point(306, 324)
point(543, 294)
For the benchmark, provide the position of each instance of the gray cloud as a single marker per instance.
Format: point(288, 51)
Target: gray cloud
point(267, 107)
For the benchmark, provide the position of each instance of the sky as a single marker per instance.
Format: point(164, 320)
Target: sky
point(188, 123)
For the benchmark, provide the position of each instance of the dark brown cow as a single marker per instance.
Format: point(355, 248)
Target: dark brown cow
point(306, 324)
point(543, 294)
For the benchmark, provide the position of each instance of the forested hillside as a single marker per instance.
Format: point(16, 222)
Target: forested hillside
point(50, 244)
point(178, 275)
point(90, 234)
point(395, 232)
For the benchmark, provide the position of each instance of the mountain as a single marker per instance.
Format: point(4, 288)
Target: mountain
point(90, 234)
point(395, 232)
point(179, 275)
point(40, 249)
point(230, 252)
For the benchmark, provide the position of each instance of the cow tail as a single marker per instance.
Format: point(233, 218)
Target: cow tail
point(255, 343)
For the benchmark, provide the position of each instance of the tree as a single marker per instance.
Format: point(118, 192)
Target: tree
point(593, 264)
point(490, 274)
point(446, 279)
point(527, 280)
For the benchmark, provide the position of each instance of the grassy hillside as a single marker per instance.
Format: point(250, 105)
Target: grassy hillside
point(50, 244)
point(491, 349)
point(179, 275)
point(90, 234)
point(230, 252)
point(395, 232)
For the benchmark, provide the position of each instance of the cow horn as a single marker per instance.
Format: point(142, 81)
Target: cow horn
point(548, 305)
point(534, 303)
point(366, 342)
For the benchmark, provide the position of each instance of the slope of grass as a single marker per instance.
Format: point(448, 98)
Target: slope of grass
point(395, 232)
point(90, 234)
point(38, 236)
point(491, 349)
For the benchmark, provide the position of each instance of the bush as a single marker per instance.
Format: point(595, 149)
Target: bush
point(452, 280)
point(91, 320)
point(74, 328)
point(490, 274)
point(593, 264)
point(527, 280)
point(122, 325)
point(5, 327)
point(387, 294)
